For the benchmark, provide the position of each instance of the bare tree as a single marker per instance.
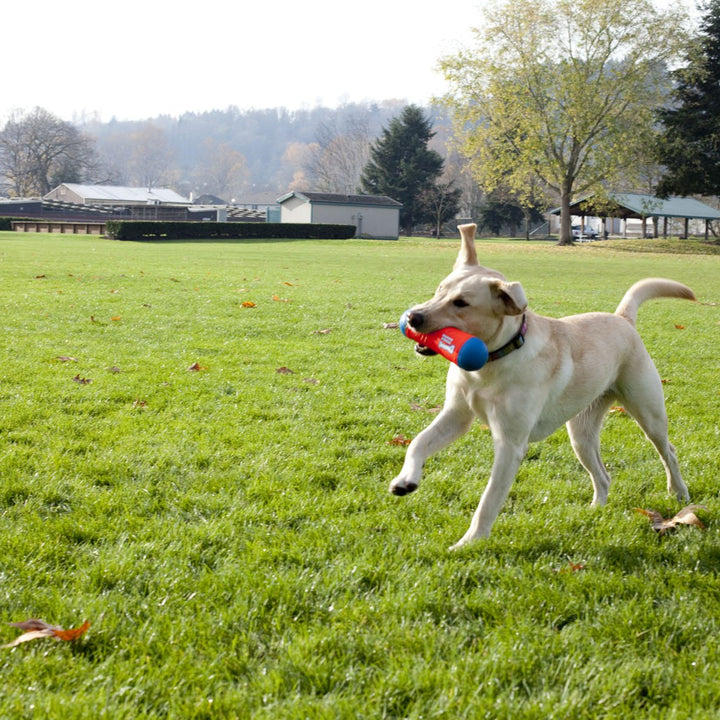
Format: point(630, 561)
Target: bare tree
point(293, 174)
point(442, 201)
point(223, 170)
point(39, 151)
point(151, 156)
point(342, 154)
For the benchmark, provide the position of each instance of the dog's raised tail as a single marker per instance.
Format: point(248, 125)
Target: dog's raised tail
point(647, 290)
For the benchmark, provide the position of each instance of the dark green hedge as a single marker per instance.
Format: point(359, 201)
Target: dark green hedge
point(6, 223)
point(160, 230)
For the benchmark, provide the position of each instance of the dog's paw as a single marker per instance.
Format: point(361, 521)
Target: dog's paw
point(403, 488)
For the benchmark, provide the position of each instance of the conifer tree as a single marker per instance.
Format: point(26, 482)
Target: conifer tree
point(690, 137)
point(402, 166)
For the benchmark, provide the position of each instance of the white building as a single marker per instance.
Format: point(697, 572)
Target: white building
point(374, 216)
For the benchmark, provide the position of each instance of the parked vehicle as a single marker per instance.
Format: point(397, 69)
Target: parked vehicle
point(583, 233)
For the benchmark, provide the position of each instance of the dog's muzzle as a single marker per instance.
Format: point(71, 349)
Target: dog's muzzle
point(416, 320)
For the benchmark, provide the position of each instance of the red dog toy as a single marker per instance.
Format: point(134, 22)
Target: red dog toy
point(466, 351)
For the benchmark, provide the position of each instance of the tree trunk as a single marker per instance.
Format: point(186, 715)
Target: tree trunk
point(526, 216)
point(565, 220)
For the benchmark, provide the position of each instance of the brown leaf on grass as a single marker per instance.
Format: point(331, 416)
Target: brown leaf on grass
point(140, 403)
point(81, 380)
point(72, 634)
point(115, 318)
point(617, 409)
point(686, 516)
point(249, 304)
point(289, 284)
point(40, 277)
point(391, 326)
point(311, 381)
point(679, 327)
point(33, 624)
point(197, 367)
point(421, 408)
point(570, 567)
point(65, 358)
point(284, 370)
point(326, 331)
point(35, 629)
point(277, 298)
point(114, 369)
point(400, 440)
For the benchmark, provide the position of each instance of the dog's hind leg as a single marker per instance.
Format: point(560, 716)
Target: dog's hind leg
point(643, 400)
point(584, 432)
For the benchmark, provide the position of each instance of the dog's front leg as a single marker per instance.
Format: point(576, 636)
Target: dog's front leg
point(508, 456)
point(452, 422)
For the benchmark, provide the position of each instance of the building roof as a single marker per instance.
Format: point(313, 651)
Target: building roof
point(634, 205)
point(118, 193)
point(337, 199)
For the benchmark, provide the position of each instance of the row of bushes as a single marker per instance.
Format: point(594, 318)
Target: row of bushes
point(178, 230)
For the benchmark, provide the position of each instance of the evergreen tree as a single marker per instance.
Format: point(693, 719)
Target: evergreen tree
point(690, 138)
point(402, 166)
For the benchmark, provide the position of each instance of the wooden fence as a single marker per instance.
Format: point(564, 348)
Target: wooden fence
point(58, 226)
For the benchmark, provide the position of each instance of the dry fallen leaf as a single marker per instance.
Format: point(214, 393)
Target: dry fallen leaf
point(686, 516)
point(284, 370)
point(197, 367)
point(680, 327)
point(249, 304)
point(277, 298)
point(326, 331)
point(35, 629)
point(400, 440)
point(570, 567)
point(421, 408)
point(391, 326)
point(617, 409)
point(81, 380)
point(65, 358)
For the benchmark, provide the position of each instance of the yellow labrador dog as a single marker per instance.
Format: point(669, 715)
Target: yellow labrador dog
point(542, 372)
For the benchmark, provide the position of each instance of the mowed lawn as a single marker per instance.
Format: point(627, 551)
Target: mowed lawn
point(196, 441)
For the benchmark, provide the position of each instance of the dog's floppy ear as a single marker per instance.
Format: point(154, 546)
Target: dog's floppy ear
point(510, 296)
point(467, 254)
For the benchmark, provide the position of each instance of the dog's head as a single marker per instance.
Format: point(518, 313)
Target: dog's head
point(472, 298)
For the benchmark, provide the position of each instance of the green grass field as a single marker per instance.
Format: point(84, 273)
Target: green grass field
point(228, 531)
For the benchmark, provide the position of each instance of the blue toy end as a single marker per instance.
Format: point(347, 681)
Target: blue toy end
point(473, 354)
point(403, 322)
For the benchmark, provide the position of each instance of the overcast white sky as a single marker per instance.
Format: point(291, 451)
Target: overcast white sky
point(136, 60)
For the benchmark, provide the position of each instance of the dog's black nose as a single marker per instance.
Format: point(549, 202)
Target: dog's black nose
point(416, 320)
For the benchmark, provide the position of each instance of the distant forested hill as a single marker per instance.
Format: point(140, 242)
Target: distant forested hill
point(235, 152)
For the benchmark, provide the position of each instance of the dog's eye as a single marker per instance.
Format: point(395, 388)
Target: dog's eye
point(460, 303)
